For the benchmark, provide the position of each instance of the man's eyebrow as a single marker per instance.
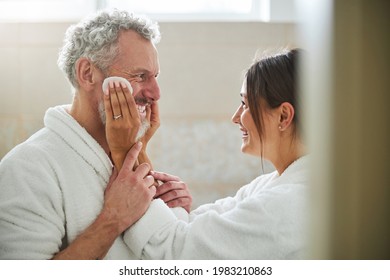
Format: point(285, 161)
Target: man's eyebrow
point(139, 69)
point(143, 70)
point(133, 71)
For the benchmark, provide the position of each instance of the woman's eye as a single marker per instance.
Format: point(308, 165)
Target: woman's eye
point(243, 104)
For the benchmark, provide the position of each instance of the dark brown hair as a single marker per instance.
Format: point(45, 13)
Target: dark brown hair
point(270, 82)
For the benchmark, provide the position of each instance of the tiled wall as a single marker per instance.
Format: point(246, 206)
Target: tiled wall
point(202, 67)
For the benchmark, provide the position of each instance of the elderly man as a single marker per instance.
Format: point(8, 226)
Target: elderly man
point(59, 195)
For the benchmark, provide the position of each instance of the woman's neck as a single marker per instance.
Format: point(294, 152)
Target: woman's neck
point(288, 155)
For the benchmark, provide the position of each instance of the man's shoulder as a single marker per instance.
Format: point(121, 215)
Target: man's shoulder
point(32, 149)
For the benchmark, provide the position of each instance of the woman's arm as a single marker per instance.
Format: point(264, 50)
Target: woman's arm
point(153, 117)
point(122, 121)
point(121, 135)
point(267, 226)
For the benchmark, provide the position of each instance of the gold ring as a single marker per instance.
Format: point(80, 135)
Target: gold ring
point(117, 117)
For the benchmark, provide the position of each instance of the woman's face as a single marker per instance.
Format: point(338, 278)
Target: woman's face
point(250, 137)
point(243, 117)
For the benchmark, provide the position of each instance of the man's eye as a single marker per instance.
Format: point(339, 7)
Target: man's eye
point(141, 76)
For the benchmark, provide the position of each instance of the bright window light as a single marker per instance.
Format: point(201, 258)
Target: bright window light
point(197, 10)
point(184, 6)
point(161, 10)
point(45, 10)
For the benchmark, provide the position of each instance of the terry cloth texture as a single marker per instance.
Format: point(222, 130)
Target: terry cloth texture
point(264, 220)
point(51, 189)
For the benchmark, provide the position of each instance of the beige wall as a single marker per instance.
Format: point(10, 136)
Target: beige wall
point(201, 72)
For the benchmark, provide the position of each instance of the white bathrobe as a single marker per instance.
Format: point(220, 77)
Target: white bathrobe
point(264, 220)
point(51, 189)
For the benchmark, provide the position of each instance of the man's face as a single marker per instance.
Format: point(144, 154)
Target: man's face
point(137, 62)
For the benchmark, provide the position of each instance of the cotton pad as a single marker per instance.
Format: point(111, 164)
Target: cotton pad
point(116, 79)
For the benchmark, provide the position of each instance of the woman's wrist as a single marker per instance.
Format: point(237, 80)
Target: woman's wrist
point(118, 157)
point(143, 157)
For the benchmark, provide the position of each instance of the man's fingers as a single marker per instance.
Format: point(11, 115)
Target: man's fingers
point(143, 170)
point(152, 191)
point(149, 180)
point(132, 156)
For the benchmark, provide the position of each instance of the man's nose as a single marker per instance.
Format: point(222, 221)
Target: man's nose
point(152, 91)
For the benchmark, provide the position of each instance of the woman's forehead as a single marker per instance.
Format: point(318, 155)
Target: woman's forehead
point(243, 88)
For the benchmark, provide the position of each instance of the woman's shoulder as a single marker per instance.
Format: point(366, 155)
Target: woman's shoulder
point(257, 184)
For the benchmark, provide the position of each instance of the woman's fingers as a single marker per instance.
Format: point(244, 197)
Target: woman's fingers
point(175, 194)
point(130, 102)
point(164, 177)
point(171, 186)
point(107, 105)
point(127, 102)
point(172, 195)
point(155, 113)
point(184, 202)
point(115, 105)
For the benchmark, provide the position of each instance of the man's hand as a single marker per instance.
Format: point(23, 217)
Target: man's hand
point(127, 197)
point(172, 191)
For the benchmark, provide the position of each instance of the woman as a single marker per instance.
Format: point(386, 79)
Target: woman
point(266, 218)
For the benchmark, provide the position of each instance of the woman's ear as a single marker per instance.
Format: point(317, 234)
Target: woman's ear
point(85, 71)
point(287, 112)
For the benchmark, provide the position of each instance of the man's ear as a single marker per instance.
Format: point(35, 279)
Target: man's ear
point(85, 72)
point(286, 117)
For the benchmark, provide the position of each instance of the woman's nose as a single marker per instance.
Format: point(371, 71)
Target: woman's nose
point(236, 116)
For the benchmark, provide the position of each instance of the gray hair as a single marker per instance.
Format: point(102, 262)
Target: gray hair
point(96, 38)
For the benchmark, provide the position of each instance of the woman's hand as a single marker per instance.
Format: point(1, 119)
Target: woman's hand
point(153, 116)
point(173, 191)
point(122, 121)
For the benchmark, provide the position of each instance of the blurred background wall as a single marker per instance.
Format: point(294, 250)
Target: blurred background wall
point(202, 67)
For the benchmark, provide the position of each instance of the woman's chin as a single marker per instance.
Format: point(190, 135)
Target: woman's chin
point(246, 149)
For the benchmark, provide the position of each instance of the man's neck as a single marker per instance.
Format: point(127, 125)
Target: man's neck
point(88, 117)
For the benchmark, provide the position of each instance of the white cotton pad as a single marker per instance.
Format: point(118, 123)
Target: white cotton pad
point(114, 79)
